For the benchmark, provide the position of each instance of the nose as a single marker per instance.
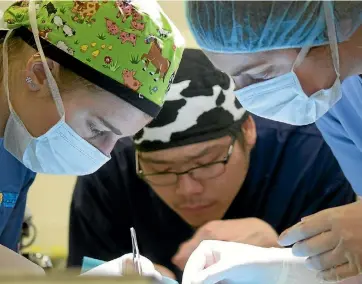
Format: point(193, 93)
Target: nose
point(107, 147)
point(189, 186)
point(243, 81)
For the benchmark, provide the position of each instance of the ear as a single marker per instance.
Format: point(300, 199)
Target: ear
point(249, 130)
point(35, 72)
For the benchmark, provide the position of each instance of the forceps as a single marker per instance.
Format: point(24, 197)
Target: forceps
point(136, 253)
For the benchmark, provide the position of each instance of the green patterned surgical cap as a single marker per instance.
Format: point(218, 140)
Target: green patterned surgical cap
point(129, 48)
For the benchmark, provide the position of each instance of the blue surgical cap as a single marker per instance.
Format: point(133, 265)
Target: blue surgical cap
point(253, 26)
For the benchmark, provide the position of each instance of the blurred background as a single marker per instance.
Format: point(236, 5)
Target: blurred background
point(49, 197)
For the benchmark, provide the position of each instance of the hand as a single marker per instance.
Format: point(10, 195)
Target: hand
point(215, 261)
point(250, 231)
point(165, 271)
point(124, 266)
point(352, 280)
point(332, 239)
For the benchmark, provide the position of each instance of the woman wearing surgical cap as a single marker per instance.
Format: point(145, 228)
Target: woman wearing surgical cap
point(289, 60)
point(76, 76)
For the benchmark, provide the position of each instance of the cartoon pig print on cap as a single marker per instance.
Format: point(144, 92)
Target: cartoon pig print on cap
point(130, 81)
point(137, 25)
point(112, 27)
point(128, 37)
point(125, 9)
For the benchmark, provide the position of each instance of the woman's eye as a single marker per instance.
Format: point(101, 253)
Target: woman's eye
point(265, 76)
point(96, 132)
point(260, 76)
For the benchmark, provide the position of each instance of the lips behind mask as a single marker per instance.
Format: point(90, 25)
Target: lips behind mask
point(60, 150)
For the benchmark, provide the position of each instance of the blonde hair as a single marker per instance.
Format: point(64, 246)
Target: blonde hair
point(66, 80)
point(16, 46)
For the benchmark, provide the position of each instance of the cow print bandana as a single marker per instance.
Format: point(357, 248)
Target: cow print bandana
point(200, 106)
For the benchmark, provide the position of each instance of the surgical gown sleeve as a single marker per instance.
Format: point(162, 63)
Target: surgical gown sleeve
point(341, 127)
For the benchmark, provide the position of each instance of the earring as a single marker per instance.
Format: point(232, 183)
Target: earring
point(31, 84)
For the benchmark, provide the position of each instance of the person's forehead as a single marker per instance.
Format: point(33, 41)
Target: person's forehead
point(234, 63)
point(187, 150)
point(237, 63)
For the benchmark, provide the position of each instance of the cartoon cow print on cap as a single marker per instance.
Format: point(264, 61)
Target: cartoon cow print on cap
point(193, 112)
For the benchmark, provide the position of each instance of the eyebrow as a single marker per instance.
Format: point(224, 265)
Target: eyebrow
point(186, 158)
point(110, 126)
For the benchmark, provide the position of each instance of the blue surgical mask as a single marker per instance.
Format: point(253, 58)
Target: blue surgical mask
point(283, 99)
point(60, 150)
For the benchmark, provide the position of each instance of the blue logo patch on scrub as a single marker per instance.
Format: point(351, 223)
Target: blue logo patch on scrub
point(8, 199)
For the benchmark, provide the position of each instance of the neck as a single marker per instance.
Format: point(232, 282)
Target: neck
point(350, 53)
point(4, 111)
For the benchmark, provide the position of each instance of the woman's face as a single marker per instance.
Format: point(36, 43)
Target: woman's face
point(96, 115)
point(251, 68)
point(102, 118)
point(315, 72)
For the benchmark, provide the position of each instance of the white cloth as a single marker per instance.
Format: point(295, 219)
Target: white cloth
point(117, 267)
point(215, 261)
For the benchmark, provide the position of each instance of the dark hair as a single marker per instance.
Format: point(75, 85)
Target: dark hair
point(236, 129)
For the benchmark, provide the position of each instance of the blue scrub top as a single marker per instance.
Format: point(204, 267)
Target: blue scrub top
point(15, 180)
point(341, 127)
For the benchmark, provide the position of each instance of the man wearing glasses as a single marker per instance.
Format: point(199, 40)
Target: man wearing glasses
point(203, 169)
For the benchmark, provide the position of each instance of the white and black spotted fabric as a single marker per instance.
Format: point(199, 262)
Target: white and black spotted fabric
point(200, 106)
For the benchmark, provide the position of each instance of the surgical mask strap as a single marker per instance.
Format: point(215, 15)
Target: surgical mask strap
point(332, 38)
point(6, 69)
point(51, 81)
point(301, 56)
point(332, 35)
point(6, 79)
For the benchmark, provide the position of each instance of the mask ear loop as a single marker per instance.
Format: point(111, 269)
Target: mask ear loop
point(51, 81)
point(6, 69)
point(332, 34)
point(6, 84)
point(301, 56)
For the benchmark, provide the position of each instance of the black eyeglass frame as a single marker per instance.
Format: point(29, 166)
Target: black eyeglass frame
point(224, 161)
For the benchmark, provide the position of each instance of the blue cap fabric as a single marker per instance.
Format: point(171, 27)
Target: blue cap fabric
point(254, 26)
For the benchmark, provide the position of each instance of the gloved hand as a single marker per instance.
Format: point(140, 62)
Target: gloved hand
point(215, 261)
point(252, 231)
point(332, 239)
point(124, 266)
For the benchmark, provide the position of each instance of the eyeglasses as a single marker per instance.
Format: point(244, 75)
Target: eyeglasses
point(203, 172)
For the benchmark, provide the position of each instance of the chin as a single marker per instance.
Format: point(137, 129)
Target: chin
point(200, 216)
point(199, 221)
point(196, 225)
